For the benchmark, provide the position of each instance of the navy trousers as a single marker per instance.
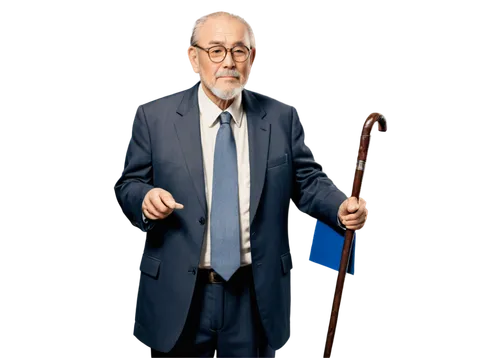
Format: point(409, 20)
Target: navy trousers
point(223, 317)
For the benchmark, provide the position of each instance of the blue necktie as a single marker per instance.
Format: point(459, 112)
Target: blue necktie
point(224, 213)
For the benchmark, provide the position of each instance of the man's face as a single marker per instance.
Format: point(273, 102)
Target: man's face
point(227, 78)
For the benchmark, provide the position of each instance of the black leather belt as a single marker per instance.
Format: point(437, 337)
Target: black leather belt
point(210, 276)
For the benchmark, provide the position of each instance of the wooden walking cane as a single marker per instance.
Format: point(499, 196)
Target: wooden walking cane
point(346, 251)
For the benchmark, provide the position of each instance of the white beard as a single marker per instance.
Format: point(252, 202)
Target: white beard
point(223, 94)
point(228, 94)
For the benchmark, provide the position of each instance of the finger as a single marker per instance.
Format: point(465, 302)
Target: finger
point(358, 214)
point(158, 205)
point(354, 223)
point(148, 214)
point(169, 201)
point(352, 204)
point(179, 206)
point(171, 205)
point(151, 208)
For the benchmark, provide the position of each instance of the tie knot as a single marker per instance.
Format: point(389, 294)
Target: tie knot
point(225, 118)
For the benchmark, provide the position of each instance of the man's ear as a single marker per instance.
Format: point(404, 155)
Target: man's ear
point(193, 58)
point(252, 55)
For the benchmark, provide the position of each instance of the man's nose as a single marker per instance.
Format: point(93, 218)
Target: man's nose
point(228, 61)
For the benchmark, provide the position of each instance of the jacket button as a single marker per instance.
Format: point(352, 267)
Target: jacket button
point(201, 220)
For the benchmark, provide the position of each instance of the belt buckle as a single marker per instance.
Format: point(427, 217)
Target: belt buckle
point(214, 277)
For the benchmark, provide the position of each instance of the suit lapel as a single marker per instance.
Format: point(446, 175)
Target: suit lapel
point(258, 145)
point(187, 127)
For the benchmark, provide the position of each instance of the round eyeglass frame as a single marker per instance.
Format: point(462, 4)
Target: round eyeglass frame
point(207, 50)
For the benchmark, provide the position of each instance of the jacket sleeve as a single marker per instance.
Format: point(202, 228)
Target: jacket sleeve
point(137, 177)
point(313, 192)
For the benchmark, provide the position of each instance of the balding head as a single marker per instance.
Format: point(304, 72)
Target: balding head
point(200, 20)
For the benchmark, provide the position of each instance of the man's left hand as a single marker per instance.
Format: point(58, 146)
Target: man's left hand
point(352, 213)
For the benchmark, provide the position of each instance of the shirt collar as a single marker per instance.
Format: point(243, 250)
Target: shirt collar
point(210, 111)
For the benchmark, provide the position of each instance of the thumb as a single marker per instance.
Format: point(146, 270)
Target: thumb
point(352, 204)
point(167, 199)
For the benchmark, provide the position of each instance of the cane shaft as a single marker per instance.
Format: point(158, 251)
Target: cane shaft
point(349, 235)
point(344, 262)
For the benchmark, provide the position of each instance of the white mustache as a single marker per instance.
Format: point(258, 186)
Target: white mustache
point(232, 73)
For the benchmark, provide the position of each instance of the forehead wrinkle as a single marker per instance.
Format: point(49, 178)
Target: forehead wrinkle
point(214, 31)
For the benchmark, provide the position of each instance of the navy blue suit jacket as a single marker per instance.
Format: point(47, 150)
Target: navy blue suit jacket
point(165, 151)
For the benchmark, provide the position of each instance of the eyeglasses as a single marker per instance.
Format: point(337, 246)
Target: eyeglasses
point(218, 53)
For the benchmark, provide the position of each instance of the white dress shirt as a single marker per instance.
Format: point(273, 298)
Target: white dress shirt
point(209, 126)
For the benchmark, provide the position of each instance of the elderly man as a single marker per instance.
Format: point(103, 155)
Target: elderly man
point(209, 174)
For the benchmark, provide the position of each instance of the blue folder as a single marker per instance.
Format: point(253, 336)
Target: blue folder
point(327, 247)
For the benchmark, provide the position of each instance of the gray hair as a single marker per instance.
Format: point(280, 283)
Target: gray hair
point(202, 20)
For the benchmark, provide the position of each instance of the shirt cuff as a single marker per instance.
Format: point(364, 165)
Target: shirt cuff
point(145, 219)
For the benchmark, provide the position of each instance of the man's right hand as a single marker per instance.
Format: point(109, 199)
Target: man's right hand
point(158, 204)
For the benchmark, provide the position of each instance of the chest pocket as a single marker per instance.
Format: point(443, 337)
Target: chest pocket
point(277, 161)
